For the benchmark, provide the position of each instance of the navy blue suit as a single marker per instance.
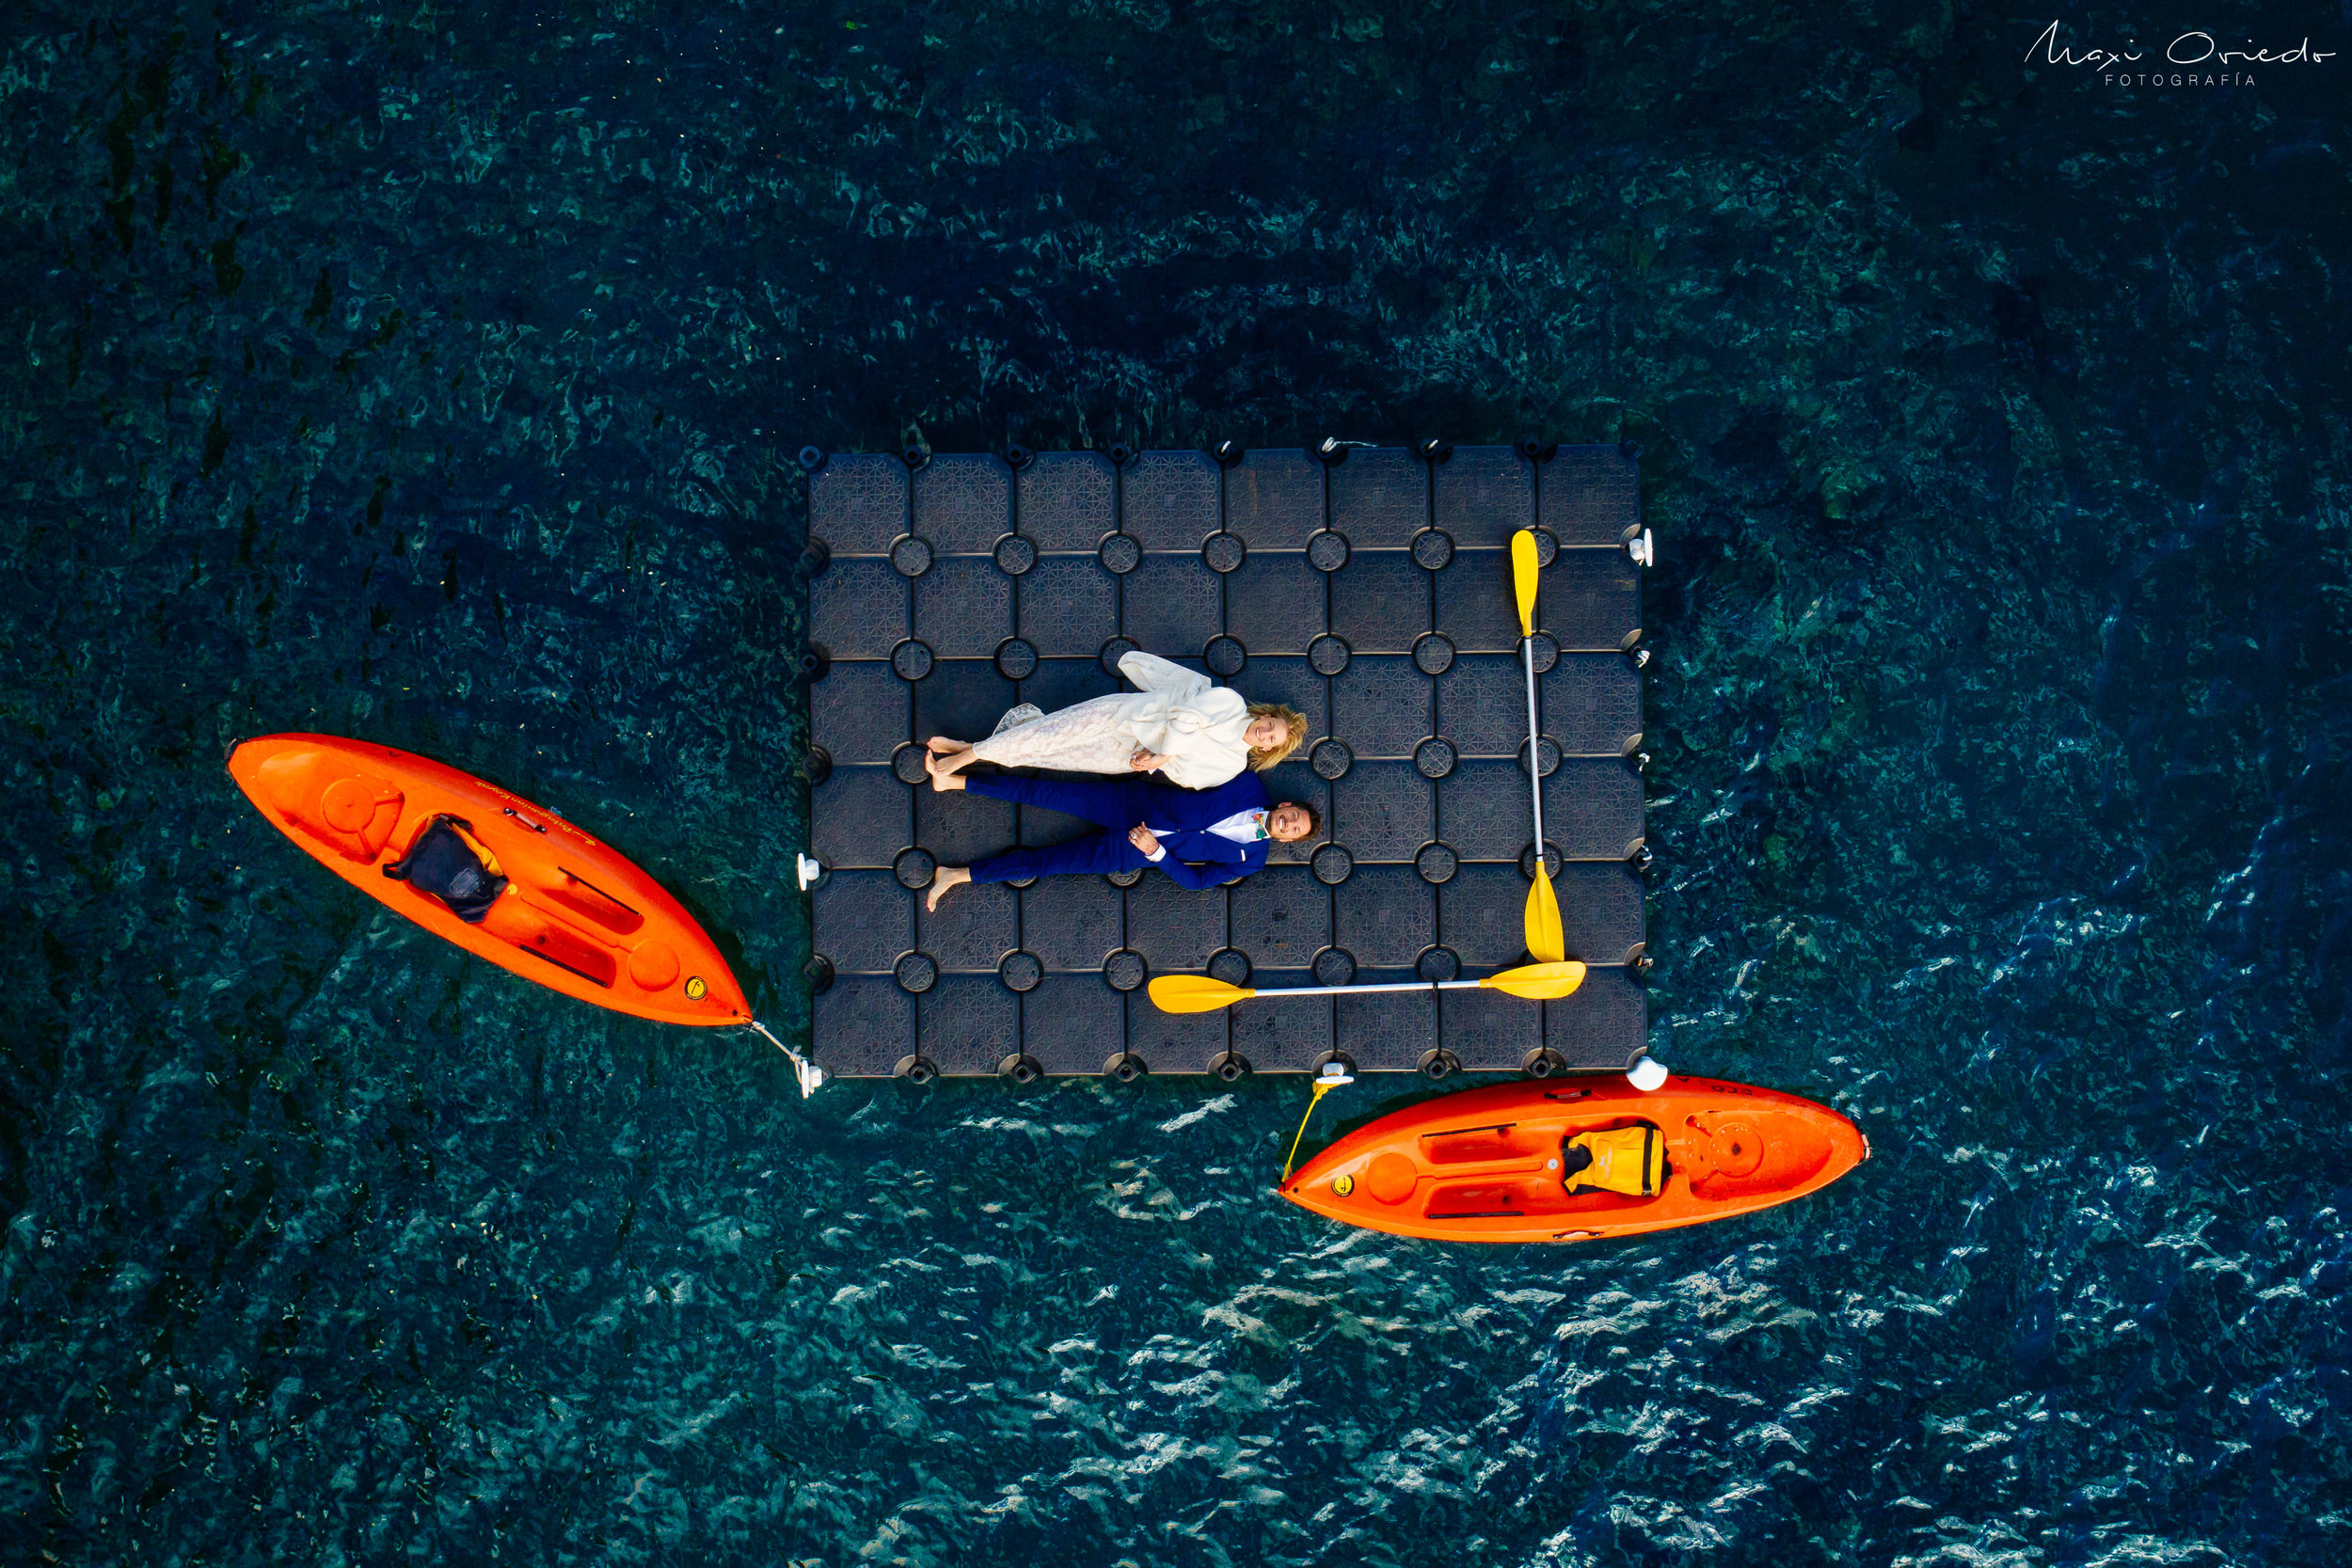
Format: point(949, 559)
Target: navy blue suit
point(1196, 857)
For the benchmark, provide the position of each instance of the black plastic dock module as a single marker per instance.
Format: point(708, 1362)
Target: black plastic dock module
point(1372, 594)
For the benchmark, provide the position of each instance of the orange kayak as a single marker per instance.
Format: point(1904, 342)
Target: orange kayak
point(1486, 1164)
point(575, 915)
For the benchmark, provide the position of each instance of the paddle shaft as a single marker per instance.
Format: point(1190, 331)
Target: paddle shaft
point(1534, 761)
point(1524, 570)
point(1366, 991)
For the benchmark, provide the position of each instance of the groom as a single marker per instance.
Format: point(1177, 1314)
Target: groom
point(1202, 837)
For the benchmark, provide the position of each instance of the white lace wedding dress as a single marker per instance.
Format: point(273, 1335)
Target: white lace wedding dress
point(1197, 726)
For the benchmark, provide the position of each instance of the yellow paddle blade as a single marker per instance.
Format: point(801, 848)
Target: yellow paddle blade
point(1523, 578)
point(1544, 942)
point(1544, 982)
point(1195, 993)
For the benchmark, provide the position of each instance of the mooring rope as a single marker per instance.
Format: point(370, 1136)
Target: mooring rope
point(1333, 1078)
point(811, 1076)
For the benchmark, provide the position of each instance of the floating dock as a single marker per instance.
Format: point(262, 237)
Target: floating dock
point(1367, 587)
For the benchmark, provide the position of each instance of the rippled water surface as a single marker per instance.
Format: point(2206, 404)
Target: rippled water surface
point(432, 374)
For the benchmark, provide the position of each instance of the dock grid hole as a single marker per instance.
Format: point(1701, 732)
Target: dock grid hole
point(1374, 594)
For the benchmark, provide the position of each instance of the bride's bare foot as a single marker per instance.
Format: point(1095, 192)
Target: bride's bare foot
point(944, 777)
point(947, 877)
point(943, 746)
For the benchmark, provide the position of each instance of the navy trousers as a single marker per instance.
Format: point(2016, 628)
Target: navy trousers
point(1118, 807)
point(1095, 852)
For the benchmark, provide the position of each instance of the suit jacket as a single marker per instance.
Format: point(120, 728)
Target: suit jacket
point(1195, 858)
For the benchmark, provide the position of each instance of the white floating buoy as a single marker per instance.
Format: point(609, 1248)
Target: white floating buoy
point(1646, 1075)
point(809, 869)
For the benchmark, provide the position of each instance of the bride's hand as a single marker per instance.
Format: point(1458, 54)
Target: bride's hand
point(1143, 761)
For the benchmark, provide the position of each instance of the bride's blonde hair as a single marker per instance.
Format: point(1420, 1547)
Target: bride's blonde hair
point(1263, 758)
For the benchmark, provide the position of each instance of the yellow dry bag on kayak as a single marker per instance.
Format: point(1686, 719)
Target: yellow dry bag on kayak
point(1627, 1159)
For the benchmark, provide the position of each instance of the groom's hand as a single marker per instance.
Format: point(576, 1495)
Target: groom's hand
point(1143, 761)
point(1141, 838)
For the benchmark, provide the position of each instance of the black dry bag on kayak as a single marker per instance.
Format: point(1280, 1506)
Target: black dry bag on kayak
point(442, 864)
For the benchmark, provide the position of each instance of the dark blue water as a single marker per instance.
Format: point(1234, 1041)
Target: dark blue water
point(431, 373)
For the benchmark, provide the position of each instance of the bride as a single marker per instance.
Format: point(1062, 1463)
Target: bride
point(1195, 734)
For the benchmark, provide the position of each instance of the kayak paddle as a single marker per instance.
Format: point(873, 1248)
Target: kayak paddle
point(1197, 993)
point(1544, 942)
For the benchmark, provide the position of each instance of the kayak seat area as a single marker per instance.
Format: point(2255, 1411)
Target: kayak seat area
point(1630, 1161)
point(1542, 1170)
point(447, 863)
point(1373, 595)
